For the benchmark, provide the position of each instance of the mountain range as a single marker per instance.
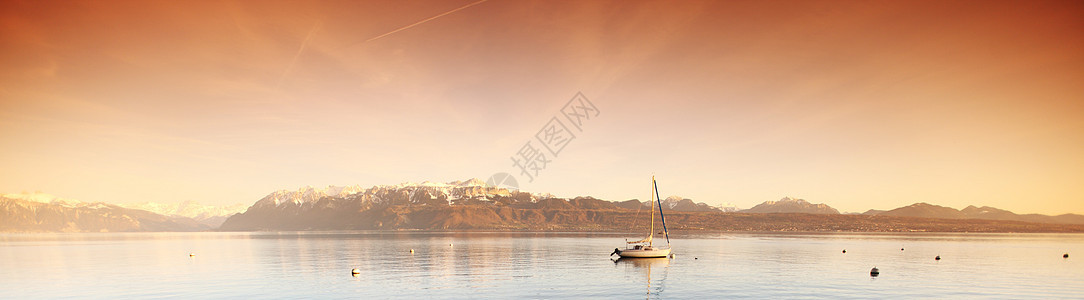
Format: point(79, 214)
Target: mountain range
point(677, 203)
point(471, 204)
point(926, 210)
point(41, 212)
point(44, 213)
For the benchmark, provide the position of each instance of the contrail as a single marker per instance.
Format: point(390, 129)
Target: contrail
point(423, 21)
point(301, 49)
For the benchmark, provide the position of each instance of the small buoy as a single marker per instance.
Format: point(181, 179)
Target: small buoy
point(450, 245)
point(411, 250)
point(901, 249)
point(355, 271)
point(191, 255)
point(937, 258)
point(874, 272)
point(844, 250)
point(695, 258)
point(1066, 255)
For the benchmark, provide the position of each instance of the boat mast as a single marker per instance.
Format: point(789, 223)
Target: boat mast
point(661, 215)
point(651, 231)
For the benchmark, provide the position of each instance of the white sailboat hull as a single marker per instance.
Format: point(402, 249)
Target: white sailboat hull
point(644, 253)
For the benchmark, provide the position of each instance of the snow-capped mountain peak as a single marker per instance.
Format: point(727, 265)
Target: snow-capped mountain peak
point(471, 182)
point(408, 191)
point(786, 200)
point(791, 205)
point(44, 198)
point(310, 194)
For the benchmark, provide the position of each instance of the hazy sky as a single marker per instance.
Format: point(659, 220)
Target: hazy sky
point(857, 104)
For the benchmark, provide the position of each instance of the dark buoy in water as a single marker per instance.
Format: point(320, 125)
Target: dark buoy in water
point(695, 258)
point(874, 272)
point(1066, 255)
point(844, 250)
point(937, 257)
point(901, 249)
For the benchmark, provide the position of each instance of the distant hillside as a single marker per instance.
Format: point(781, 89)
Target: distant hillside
point(790, 205)
point(925, 210)
point(674, 203)
point(681, 204)
point(212, 216)
point(631, 204)
point(21, 215)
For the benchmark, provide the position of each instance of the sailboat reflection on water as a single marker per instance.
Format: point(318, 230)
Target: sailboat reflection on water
point(656, 287)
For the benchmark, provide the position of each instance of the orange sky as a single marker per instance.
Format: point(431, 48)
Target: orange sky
point(863, 104)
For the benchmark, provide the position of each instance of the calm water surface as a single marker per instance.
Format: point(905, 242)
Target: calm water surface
point(536, 265)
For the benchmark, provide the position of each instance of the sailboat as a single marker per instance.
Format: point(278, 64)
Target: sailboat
point(646, 248)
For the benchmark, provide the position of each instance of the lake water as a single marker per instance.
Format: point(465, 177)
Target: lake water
point(536, 265)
